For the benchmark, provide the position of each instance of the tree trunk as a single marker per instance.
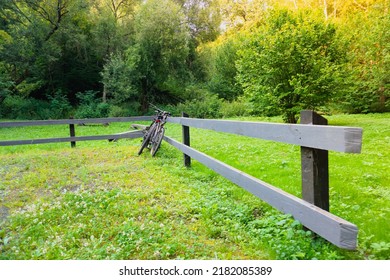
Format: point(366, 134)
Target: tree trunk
point(326, 10)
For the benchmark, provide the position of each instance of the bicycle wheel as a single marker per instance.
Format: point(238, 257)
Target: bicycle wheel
point(156, 141)
point(147, 138)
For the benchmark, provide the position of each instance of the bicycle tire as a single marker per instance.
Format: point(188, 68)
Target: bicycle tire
point(147, 138)
point(156, 142)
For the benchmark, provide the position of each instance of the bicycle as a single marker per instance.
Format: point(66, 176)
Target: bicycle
point(155, 133)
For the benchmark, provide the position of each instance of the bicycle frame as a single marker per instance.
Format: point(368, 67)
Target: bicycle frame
point(154, 135)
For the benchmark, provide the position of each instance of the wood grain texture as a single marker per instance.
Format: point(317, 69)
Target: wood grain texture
point(334, 229)
point(73, 121)
point(333, 138)
point(315, 167)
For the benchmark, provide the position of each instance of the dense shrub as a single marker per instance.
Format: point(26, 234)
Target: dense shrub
point(234, 109)
point(16, 107)
point(91, 106)
point(207, 106)
point(59, 106)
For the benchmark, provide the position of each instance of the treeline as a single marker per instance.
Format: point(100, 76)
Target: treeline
point(211, 58)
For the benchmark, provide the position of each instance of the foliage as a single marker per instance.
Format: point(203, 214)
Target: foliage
point(236, 108)
point(118, 75)
point(202, 105)
point(222, 72)
point(50, 49)
point(5, 87)
point(125, 110)
point(291, 63)
point(59, 106)
point(241, 14)
point(91, 106)
point(16, 107)
point(203, 18)
point(369, 64)
point(160, 50)
point(132, 52)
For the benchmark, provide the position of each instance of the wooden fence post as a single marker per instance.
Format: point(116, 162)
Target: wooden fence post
point(72, 134)
point(315, 167)
point(186, 141)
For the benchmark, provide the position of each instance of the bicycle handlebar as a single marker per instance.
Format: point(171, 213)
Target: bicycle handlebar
point(158, 110)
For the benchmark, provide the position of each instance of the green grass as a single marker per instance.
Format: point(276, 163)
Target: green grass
point(102, 201)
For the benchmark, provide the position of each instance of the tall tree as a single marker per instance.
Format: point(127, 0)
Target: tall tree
point(292, 63)
point(203, 18)
point(54, 46)
point(222, 70)
point(369, 56)
point(156, 61)
point(238, 13)
point(113, 22)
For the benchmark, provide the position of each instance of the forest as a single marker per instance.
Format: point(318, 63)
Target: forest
point(210, 58)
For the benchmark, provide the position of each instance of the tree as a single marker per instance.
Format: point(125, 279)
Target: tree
point(118, 76)
point(55, 46)
point(239, 13)
point(291, 63)
point(223, 71)
point(156, 61)
point(203, 19)
point(113, 25)
point(369, 62)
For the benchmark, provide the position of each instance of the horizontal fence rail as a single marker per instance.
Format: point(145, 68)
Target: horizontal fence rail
point(334, 138)
point(71, 122)
point(129, 135)
point(315, 138)
point(334, 229)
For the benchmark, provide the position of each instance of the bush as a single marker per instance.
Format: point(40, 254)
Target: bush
point(59, 106)
point(125, 110)
point(16, 107)
point(234, 109)
point(364, 100)
point(91, 106)
point(5, 86)
point(206, 107)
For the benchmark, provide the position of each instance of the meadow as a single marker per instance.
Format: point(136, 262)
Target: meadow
point(102, 201)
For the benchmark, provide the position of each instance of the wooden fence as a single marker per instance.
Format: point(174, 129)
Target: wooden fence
point(72, 131)
point(314, 136)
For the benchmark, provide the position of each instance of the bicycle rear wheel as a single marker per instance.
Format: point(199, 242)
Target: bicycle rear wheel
point(156, 141)
point(147, 138)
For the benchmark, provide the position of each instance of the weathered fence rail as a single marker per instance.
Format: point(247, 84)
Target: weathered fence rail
point(334, 138)
point(73, 121)
point(334, 229)
point(315, 139)
point(313, 135)
point(72, 131)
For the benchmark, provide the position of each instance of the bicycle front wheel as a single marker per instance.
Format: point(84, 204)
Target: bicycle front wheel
point(156, 141)
point(147, 138)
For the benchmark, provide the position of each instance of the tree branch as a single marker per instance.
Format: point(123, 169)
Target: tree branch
point(60, 13)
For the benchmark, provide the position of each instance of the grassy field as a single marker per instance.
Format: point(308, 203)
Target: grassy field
point(102, 201)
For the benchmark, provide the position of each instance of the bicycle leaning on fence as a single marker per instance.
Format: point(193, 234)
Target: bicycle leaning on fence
point(154, 134)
